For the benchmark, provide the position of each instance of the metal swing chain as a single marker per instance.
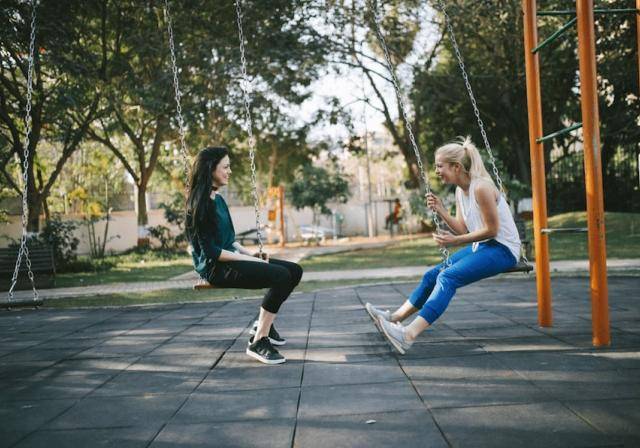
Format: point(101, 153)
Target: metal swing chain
point(244, 84)
point(472, 97)
point(25, 164)
point(178, 95)
point(396, 85)
point(474, 104)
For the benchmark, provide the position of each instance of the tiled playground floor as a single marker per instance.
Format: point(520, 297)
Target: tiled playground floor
point(176, 376)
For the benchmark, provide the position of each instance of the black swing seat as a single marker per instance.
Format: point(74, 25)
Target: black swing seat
point(521, 266)
point(203, 284)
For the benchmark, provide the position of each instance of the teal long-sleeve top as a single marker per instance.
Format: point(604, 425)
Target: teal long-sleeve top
point(213, 237)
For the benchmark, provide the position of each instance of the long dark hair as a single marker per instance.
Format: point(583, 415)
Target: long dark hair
point(200, 187)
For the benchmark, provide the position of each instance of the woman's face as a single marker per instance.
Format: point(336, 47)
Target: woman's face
point(222, 172)
point(446, 171)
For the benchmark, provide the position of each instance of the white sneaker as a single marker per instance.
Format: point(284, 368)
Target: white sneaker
point(376, 313)
point(395, 334)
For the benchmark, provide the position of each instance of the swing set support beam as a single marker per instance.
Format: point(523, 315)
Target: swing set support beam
point(559, 133)
point(592, 162)
point(554, 36)
point(593, 174)
point(569, 12)
point(536, 151)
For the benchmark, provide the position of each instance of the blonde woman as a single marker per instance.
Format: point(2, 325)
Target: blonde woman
point(483, 223)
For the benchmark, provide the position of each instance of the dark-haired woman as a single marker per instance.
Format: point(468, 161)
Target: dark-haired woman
point(224, 262)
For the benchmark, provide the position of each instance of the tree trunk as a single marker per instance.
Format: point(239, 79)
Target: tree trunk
point(33, 222)
point(143, 218)
point(273, 159)
point(34, 203)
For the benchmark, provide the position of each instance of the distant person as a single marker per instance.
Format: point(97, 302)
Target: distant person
point(394, 216)
point(223, 262)
point(483, 223)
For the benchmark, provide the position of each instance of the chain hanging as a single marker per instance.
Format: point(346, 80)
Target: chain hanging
point(474, 103)
point(178, 95)
point(245, 85)
point(472, 97)
point(396, 85)
point(24, 250)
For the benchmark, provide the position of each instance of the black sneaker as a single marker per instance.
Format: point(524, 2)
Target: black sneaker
point(263, 351)
point(274, 336)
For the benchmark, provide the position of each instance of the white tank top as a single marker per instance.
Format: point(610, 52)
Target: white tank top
point(507, 231)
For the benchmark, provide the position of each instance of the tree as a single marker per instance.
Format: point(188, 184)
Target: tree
point(69, 62)
point(139, 96)
point(401, 21)
point(491, 42)
point(490, 38)
point(315, 186)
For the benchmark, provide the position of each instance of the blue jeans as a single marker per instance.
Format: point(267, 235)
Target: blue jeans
point(437, 288)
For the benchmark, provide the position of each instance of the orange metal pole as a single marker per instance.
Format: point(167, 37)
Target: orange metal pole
point(534, 108)
point(593, 173)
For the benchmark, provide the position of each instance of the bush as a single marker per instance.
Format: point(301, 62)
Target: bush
point(163, 235)
point(88, 265)
point(174, 214)
point(59, 235)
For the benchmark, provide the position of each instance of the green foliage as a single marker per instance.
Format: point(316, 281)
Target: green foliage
point(84, 264)
point(174, 214)
point(59, 235)
point(162, 234)
point(490, 37)
point(315, 186)
point(69, 67)
point(401, 21)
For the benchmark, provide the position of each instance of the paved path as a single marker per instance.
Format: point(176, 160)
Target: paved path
point(186, 281)
point(176, 376)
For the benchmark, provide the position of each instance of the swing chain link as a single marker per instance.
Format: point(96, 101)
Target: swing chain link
point(24, 250)
point(245, 85)
point(178, 95)
point(396, 85)
point(474, 104)
point(472, 97)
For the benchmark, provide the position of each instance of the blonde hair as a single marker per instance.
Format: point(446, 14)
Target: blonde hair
point(464, 152)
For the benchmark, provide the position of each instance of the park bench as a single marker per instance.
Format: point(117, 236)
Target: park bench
point(250, 236)
point(42, 266)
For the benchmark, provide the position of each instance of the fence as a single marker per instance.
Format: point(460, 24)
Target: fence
point(621, 182)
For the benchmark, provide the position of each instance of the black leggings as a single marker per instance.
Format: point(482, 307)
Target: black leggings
point(278, 275)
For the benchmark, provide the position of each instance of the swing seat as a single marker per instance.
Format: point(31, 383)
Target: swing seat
point(521, 266)
point(203, 284)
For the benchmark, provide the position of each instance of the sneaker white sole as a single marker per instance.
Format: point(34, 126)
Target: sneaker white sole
point(392, 340)
point(373, 316)
point(264, 360)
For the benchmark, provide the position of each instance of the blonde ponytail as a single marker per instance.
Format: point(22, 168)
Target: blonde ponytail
point(464, 152)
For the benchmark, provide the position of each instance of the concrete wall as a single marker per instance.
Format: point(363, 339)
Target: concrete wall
point(123, 226)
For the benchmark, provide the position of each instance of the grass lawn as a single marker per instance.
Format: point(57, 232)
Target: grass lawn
point(189, 295)
point(129, 268)
point(622, 236)
point(420, 250)
point(623, 241)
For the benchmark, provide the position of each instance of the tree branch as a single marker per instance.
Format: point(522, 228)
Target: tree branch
point(106, 141)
